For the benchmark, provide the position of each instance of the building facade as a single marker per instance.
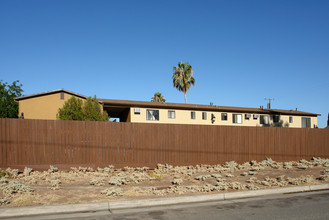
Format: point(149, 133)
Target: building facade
point(45, 106)
point(174, 113)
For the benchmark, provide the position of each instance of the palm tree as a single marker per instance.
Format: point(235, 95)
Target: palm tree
point(158, 97)
point(183, 77)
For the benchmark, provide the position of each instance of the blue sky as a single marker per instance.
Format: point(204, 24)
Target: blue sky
point(241, 51)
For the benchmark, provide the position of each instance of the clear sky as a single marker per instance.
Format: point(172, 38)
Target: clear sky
point(241, 51)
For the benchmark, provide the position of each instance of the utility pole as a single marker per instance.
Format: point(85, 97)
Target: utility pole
point(269, 102)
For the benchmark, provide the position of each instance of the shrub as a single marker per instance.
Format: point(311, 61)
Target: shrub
point(112, 192)
point(88, 110)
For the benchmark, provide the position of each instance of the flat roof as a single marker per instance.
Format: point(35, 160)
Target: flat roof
point(167, 105)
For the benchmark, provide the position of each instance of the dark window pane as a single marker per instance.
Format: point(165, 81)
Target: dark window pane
point(264, 120)
point(204, 115)
point(306, 122)
point(276, 118)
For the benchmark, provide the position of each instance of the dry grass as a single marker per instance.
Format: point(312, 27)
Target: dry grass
point(75, 186)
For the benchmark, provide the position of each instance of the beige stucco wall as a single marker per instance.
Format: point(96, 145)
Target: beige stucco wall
point(297, 121)
point(42, 107)
point(184, 117)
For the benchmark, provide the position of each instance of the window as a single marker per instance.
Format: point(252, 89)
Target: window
point(224, 116)
point(264, 120)
point(137, 111)
point(306, 122)
point(62, 96)
point(192, 115)
point(237, 118)
point(204, 115)
point(256, 116)
point(291, 119)
point(152, 115)
point(247, 116)
point(276, 118)
point(171, 114)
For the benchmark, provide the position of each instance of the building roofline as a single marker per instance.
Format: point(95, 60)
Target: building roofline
point(48, 93)
point(293, 112)
point(166, 105)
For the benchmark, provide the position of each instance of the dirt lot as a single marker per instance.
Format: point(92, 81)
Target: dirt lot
point(84, 185)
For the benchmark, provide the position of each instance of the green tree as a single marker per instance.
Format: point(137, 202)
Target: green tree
point(158, 97)
point(71, 110)
point(88, 110)
point(183, 77)
point(93, 111)
point(8, 106)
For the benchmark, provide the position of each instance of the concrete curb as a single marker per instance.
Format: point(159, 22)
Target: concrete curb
point(131, 204)
point(53, 209)
point(134, 204)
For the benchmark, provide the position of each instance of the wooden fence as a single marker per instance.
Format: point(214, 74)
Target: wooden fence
point(40, 143)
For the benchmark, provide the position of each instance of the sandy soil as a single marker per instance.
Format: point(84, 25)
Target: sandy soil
point(84, 185)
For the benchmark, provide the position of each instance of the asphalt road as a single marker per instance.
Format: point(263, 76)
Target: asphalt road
point(312, 205)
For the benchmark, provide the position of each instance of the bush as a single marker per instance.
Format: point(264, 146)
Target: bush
point(88, 110)
point(93, 111)
point(71, 110)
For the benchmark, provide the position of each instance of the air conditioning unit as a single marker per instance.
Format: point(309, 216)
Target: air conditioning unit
point(247, 116)
point(137, 111)
point(256, 116)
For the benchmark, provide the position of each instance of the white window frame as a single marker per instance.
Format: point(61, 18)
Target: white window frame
point(171, 114)
point(152, 115)
point(193, 115)
point(237, 118)
point(264, 120)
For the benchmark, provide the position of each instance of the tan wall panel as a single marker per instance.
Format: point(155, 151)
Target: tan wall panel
point(42, 107)
point(297, 121)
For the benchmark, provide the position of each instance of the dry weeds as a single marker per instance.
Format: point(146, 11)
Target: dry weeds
point(83, 184)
